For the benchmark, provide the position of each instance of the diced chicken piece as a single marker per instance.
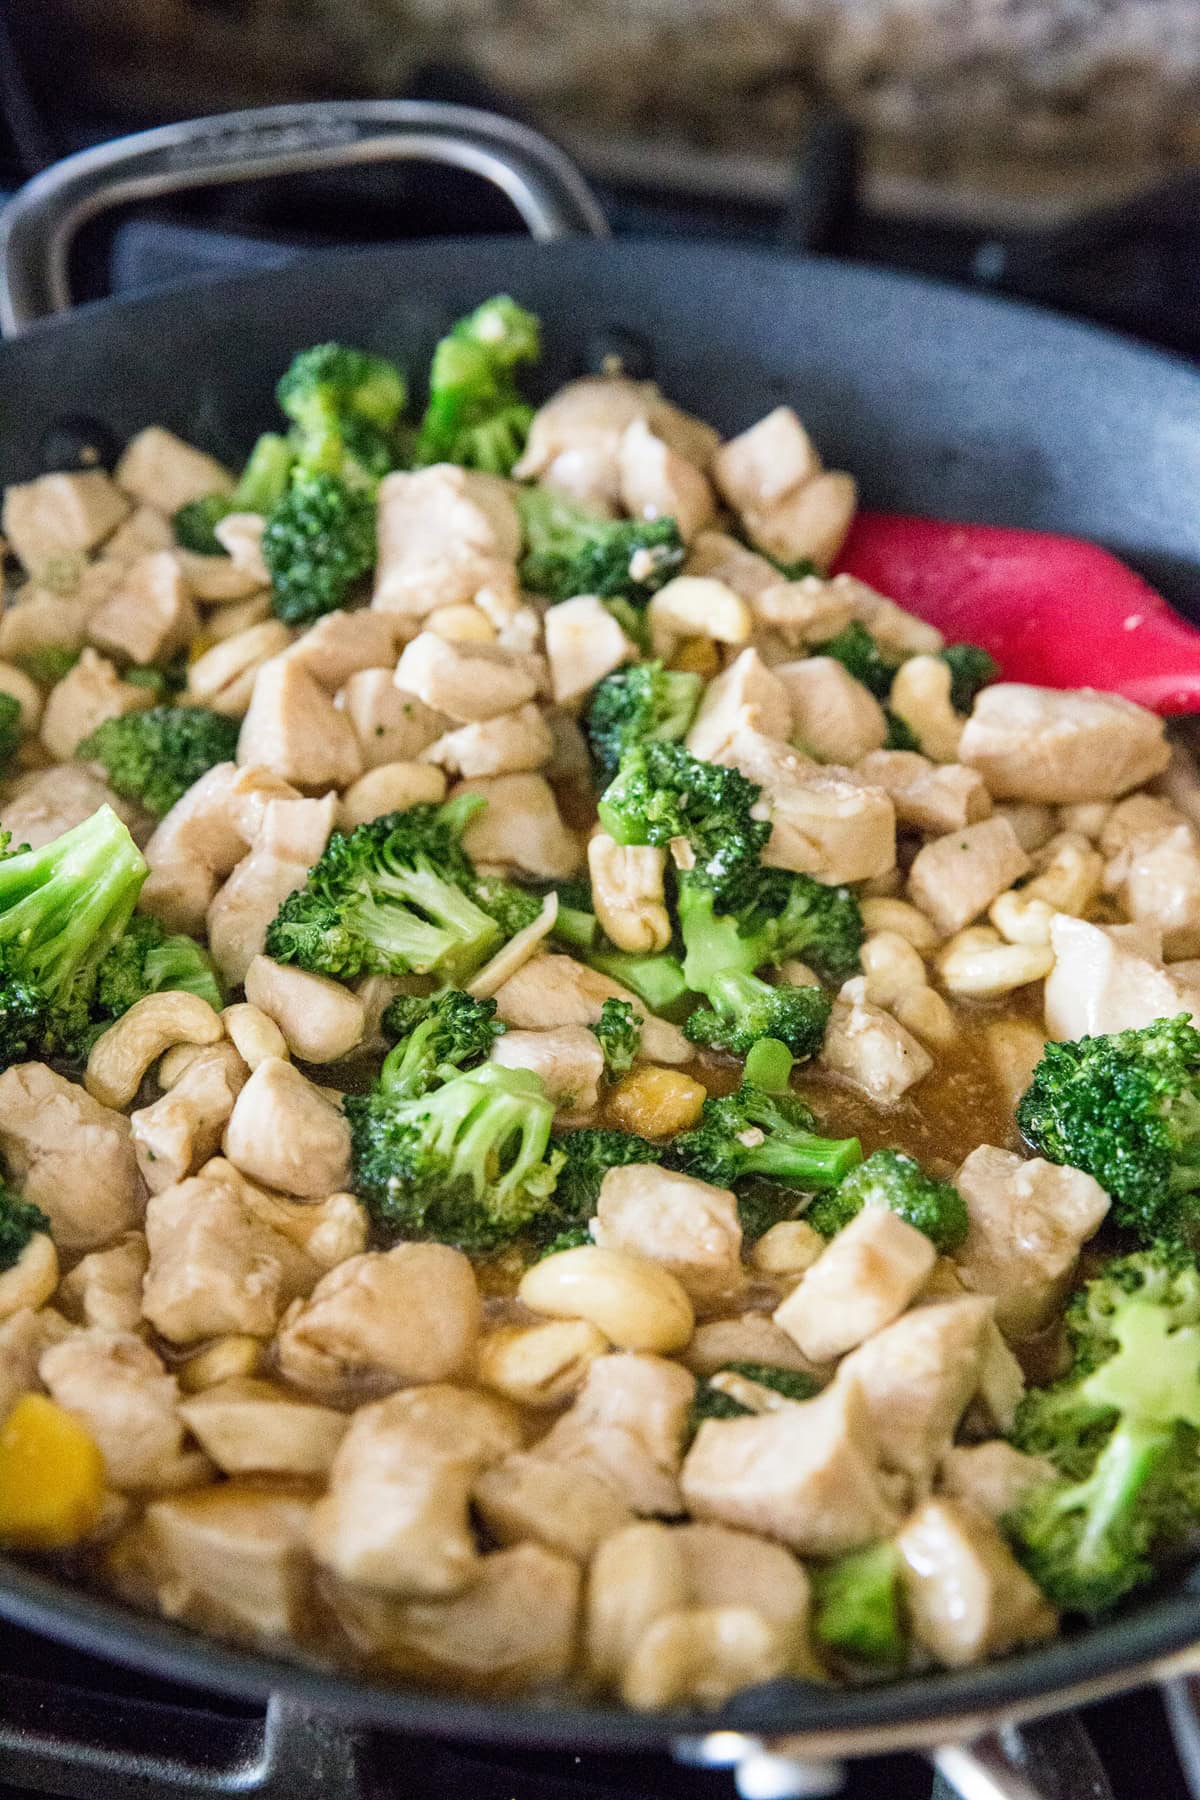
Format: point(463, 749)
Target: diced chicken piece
point(214, 1267)
point(284, 1132)
point(1028, 1223)
point(217, 580)
point(329, 1231)
point(933, 797)
point(746, 697)
point(766, 463)
point(1111, 978)
point(199, 842)
point(747, 1337)
point(395, 1516)
point(60, 516)
point(231, 1559)
point(509, 745)
point(1033, 823)
point(1140, 816)
point(161, 470)
point(1157, 880)
point(584, 643)
point(1014, 1049)
point(967, 1595)
point(918, 1376)
point(37, 622)
point(514, 1629)
point(70, 1156)
point(810, 524)
point(178, 1132)
point(826, 822)
point(834, 716)
point(468, 682)
point(242, 910)
point(656, 482)
point(734, 1568)
point(567, 1058)
point(796, 613)
point(520, 828)
point(40, 806)
point(384, 1319)
point(872, 1270)
point(575, 439)
point(149, 615)
point(390, 724)
point(556, 990)
point(444, 533)
point(690, 1227)
point(24, 1337)
point(129, 1403)
point(807, 1475)
point(251, 1427)
point(142, 532)
point(240, 535)
point(870, 1049)
point(88, 694)
point(721, 558)
point(223, 678)
point(527, 1498)
point(956, 877)
point(320, 1019)
point(105, 1287)
point(897, 632)
point(293, 727)
point(1062, 747)
point(993, 1477)
point(274, 819)
point(392, 787)
point(343, 643)
point(626, 1426)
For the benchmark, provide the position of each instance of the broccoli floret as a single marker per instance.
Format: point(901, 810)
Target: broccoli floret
point(194, 524)
point(19, 1220)
point(970, 670)
point(62, 908)
point(395, 896)
point(476, 415)
point(892, 1179)
point(318, 542)
point(1126, 1109)
point(570, 551)
point(513, 908)
point(797, 570)
point(587, 1157)
point(788, 915)
point(657, 980)
point(154, 757)
point(900, 734)
point(634, 706)
point(146, 959)
point(574, 1238)
point(262, 485)
point(48, 663)
point(619, 1030)
point(344, 405)
point(436, 1037)
point(769, 1136)
point(859, 653)
point(857, 1607)
point(744, 1009)
point(10, 730)
point(469, 1163)
point(1128, 1416)
point(712, 1402)
point(163, 680)
point(662, 792)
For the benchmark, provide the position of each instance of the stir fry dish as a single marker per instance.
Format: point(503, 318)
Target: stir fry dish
point(586, 1107)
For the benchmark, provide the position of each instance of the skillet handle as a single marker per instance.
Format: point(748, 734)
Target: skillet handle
point(38, 225)
point(1047, 1759)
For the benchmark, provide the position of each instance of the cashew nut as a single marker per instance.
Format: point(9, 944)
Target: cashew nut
point(901, 916)
point(697, 606)
point(891, 966)
point(392, 787)
point(627, 892)
point(32, 1278)
point(702, 1656)
point(182, 1129)
point(921, 697)
point(789, 1248)
point(179, 1059)
point(121, 1056)
point(634, 1302)
point(638, 1575)
point(464, 624)
point(225, 1359)
point(223, 678)
point(922, 1011)
point(539, 1365)
point(253, 1034)
point(978, 965)
point(228, 621)
point(1068, 881)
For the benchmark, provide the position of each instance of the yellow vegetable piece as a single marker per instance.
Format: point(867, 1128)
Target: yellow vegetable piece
point(653, 1102)
point(697, 656)
point(51, 1477)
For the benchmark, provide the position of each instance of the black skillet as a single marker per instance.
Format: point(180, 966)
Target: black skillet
point(941, 402)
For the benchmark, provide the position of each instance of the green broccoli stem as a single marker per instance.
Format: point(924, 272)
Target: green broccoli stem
point(1112, 1492)
point(804, 1159)
point(67, 903)
point(575, 927)
point(769, 1065)
point(264, 480)
point(857, 1606)
point(656, 980)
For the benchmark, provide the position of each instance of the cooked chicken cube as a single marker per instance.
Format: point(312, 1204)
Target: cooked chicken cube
point(555, 990)
point(241, 912)
point(60, 516)
point(1157, 880)
point(69, 1155)
point(956, 877)
point(967, 1595)
point(161, 470)
point(567, 1058)
point(251, 1427)
point(468, 682)
point(320, 1019)
point(1111, 978)
point(897, 632)
point(575, 440)
point(825, 821)
point(690, 1227)
point(88, 694)
point(232, 1559)
point(626, 1426)
point(1028, 1223)
point(105, 1287)
point(341, 644)
point(1032, 743)
point(390, 724)
point(24, 1337)
point(734, 1568)
point(198, 842)
point(766, 463)
point(746, 697)
point(870, 1049)
point(934, 797)
point(444, 533)
point(175, 1134)
point(384, 1319)
point(129, 1403)
point(395, 1516)
point(723, 558)
point(150, 615)
point(41, 805)
point(293, 727)
point(993, 1477)
point(810, 524)
point(807, 1475)
point(584, 643)
point(508, 745)
point(866, 1277)
point(563, 1506)
point(284, 1132)
point(656, 482)
point(520, 828)
point(214, 1267)
point(746, 1337)
point(834, 717)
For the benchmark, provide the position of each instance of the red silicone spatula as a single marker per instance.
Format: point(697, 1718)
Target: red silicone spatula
point(1052, 610)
